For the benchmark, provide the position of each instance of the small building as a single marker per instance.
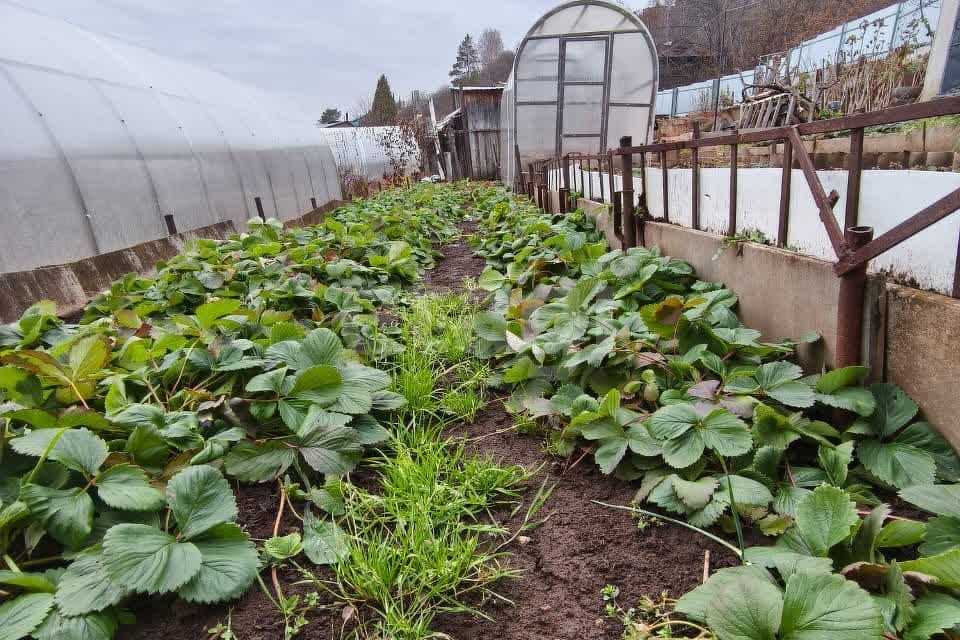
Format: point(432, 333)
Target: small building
point(471, 132)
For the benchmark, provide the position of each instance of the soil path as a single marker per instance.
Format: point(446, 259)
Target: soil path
point(582, 546)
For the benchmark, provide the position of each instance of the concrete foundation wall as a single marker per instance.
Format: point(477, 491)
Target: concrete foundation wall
point(72, 285)
point(910, 337)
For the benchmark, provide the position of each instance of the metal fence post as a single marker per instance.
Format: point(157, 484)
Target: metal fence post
point(565, 185)
point(695, 178)
point(629, 222)
point(850, 303)
point(786, 177)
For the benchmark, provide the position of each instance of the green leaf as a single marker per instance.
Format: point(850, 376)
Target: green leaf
point(901, 533)
point(321, 384)
point(726, 434)
point(828, 607)
point(320, 347)
point(208, 314)
point(491, 280)
point(792, 394)
point(941, 499)
point(925, 437)
point(824, 519)
point(66, 514)
point(933, 613)
point(228, 565)
point(945, 567)
point(249, 462)
point(269, 382)
point(334, 450)
point(787, 562)
point(750, 609)
point(834, 461)
point(897, 464)
point(93, 626)
point(696, 494)
point(893, 411)
point(523, 369)
point(490, 326)
point(146, 560)
point(609, 454)
point(87, 587)
point(34, 582)
point(856, 399)
point(695, 604)
point(76, 449)
point(284, 547)
point(21, 616)
point(673, 420)
point(832, 381)
point(200, 498)
point(125, 486)
point(323, 541)
point(941, 534)
point(774, 374)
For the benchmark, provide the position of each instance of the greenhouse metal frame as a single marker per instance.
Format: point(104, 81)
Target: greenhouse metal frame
point(585, 74)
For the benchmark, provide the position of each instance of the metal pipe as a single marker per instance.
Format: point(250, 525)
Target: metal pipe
point(850, 302)
point(257, 201)
point(732, 223)
point(629, 222)
point(665, 179)
point(695, 179)
point(171, 224)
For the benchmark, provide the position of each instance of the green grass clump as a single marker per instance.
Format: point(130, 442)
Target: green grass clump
point(417, 545)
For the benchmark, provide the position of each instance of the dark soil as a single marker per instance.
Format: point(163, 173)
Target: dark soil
point(580, 548)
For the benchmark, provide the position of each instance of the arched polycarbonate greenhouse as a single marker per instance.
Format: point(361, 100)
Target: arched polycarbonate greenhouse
point(102, 140)
point(372, 152)
point(584, 75)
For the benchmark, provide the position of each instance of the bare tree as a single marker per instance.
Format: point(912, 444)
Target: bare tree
point(490, 46)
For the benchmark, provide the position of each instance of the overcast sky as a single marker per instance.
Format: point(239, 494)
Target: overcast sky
point(321, 52)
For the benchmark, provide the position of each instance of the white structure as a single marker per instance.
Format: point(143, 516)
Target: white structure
point(102, 140)
point(584, 75)
point(372, 152)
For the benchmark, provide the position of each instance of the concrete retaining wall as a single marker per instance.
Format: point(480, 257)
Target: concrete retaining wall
point(72, 285)
point(910, 336)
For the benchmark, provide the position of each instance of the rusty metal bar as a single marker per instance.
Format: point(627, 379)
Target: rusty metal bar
point(611, 175)
point(642, 200)
point(732, 223)
point(695, 179)
point(171, 224)
point(903, 231)
point(824, 202)
point(603, 196)
point(313, 202)
point(259, 203)
point(629, 221)
point(666, 186)
point(851, 214)
point(850, 302)
point(565, 184)
point(786, 178)
point(956, 271)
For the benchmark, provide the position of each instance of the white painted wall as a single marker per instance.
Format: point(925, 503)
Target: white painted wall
point(887, 198)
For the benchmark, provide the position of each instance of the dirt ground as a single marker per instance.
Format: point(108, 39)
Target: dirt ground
point(580, 548)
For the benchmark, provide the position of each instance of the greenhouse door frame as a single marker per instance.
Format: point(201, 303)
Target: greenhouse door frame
point(607, 40)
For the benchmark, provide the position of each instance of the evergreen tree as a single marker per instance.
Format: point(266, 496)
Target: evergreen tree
point(330, 115)
point(467, 65)
point(384, 109)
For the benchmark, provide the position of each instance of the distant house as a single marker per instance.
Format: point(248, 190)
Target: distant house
point(472, 132)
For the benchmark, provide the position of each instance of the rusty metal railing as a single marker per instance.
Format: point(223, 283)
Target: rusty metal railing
point(853, 245)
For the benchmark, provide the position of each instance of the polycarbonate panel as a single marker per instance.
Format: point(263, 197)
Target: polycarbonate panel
point(536, 131)
point(245, 149)
point(119, 195)
point(665, 102)
point(581, 17)
point(218, 171)
point(539, 60)
point(537, 90)
point(582, 109)
point(581, 145)
point(628, 121)
point(167, 154)
point(38, 201)
point(38, 41)
point(631, 76)
point(585, 60)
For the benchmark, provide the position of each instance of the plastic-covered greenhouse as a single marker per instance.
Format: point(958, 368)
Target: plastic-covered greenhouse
point(102, 140)
point(584, 75)
point(372, 152)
